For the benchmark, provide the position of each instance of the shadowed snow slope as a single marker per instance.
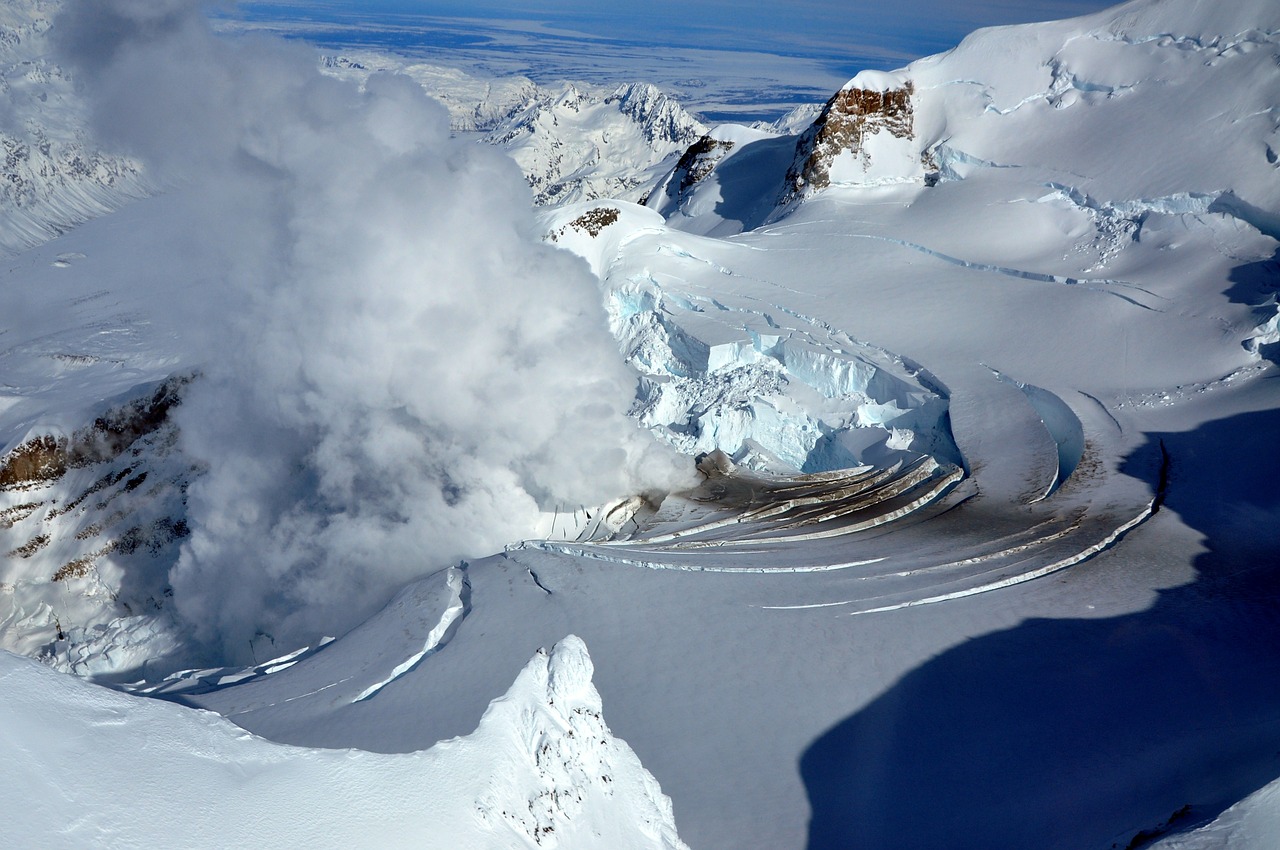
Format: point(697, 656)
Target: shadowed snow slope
point(541, 770)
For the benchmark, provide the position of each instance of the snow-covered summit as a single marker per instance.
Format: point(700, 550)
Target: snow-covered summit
point(579, 144)
point(475, 103)
point(871, 80)
point(864, 135)
point(663, 120)
point(1090, 100)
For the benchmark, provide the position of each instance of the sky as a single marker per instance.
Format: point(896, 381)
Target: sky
point(727, 60)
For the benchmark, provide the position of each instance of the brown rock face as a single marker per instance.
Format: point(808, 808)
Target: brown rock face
point(47, 458)
point(695, 164)
point(592, 222)
point(698, 161)
point(845, 122)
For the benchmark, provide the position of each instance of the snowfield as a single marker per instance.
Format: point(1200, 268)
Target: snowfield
point(942, 512)
point(541, 770)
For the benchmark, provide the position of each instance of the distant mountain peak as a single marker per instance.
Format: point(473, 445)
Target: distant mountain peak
point(662, 118)
point(575, 144)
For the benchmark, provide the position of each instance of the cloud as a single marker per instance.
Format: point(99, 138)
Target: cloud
point(397, 373)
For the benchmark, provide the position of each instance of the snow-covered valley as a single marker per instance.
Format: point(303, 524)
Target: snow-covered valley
point(902, 477)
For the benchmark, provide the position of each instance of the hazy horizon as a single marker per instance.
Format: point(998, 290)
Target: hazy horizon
point(728, 61)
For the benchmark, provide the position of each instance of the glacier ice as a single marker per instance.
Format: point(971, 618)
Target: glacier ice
point(772, 398)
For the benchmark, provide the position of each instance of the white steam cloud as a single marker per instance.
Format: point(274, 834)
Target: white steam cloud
point(397, 373)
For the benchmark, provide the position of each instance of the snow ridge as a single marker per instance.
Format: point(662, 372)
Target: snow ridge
point(456, 608)
point(562, 759)
point(580, 143)
point(53, 177)
point(541, 770)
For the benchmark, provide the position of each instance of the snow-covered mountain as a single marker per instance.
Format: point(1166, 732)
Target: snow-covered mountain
point(864, 134)
point(997, 99)
point(475, 104)
point(576, 146)
point(977, 366)
point(574, 142)
point(54, 177)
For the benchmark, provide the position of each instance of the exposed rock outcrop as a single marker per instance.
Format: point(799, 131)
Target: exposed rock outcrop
point(696, 163)
point(46, 458)
point(864, 133)
point(90, 524)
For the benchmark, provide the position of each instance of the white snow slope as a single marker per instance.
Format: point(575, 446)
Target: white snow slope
point(54, 178)
point(541, 770)
point(987, 558)
point(1253, 822)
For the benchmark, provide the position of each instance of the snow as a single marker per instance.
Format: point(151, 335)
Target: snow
point(573, 141)
point(475, 103)
point(454, 610)
point(872, 80)
point(54, 177)
point(888, 160)
point(790, 398)
point(541, 770)
point(981, 554)
point(737, 193)
point(1063, 426)
point(1253, 822)
point(579, 144)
